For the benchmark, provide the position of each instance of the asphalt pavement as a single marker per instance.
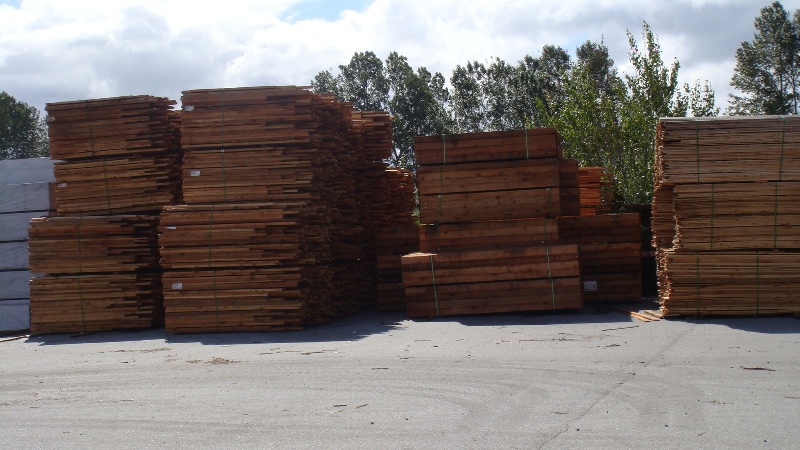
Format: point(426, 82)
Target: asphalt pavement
point(595, 379)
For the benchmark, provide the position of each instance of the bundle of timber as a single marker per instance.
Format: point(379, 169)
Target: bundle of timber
point(391, 244)
point(726, 214)
point(498, 190)
point(610, 254)
point(488, 203)
point(277, 180)
point(731, 282)
point(117, 155)
point(491, 281)
point(242, 235)
point(242, 299)
point(492, 235)
point(100, 273)
point(397, 234)
point(597, 190)
point(98, 302)
point(275, 144)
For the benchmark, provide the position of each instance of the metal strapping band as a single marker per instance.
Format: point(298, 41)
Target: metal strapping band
point(526, 144)
point(80, 275)
point(105, 169)
point(697, 146)
point(210, 265)
point(433, 280)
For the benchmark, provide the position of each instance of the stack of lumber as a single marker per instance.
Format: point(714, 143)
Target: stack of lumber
point(597, 190)
point(498, 234)
point(275, 233)
point(498, 190)
point(100, 273)
point(492, 281)
point(25, 188)
point(726, 218)
point(118, 165)
point(397, 234)
point(117, 155)
point(487, 202)
point(610, 254)
point(391, 244)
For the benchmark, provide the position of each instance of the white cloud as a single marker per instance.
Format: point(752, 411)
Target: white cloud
point(51, 50)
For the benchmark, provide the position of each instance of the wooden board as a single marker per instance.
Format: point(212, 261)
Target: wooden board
point(729, 216)
point(111, 127)
point(242, 235)
point(597, 190)
point(487, 235)
point(722, 149)
point(495, 205)
point(524, 279)
point(273, 299)
point(728, 283)
point(611, 272)
point(93, 244)
point(489, 176)
point(556, 294)
point(597, 229)
point(489, 146)
point(88, 303)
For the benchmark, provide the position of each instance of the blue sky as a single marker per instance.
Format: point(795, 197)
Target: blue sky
point(323, 9)
point(57, 50)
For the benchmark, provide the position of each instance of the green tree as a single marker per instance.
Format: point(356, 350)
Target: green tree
point(469, 106)
point(418, 107)
point(609, 121)
point(767, 71)
point(417, 99)
point(23, 134)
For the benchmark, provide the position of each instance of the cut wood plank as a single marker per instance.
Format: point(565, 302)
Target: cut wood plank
point(93, 244)
point(87, 303)
point(488, 146)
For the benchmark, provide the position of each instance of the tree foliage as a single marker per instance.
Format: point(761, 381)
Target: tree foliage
point(767, 70)
point(609, 121)
point(23, 134)
point(606, 119)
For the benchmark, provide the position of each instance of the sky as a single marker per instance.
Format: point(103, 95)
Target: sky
point(59, 50)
